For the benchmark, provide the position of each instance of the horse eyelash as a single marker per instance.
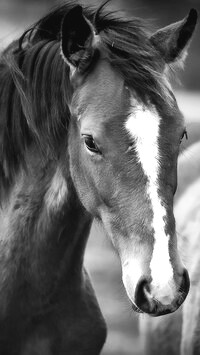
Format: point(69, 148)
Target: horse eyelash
point(184, 134)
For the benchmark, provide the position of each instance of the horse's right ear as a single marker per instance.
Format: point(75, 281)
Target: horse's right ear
point(77, 37)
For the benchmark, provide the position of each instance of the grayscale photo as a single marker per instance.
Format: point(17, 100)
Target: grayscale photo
point(99, 177)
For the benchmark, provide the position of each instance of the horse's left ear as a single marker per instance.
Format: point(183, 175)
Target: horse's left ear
point(77, 37)
point(172, 41)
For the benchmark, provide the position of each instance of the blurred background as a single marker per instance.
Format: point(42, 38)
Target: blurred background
point(101, 260)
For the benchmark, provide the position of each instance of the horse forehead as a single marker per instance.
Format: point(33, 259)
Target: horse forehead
point(106, 77)
point(102, 90)
point(143, 123)
point(149, 122)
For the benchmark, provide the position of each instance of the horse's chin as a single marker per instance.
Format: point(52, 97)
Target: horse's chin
point(156, 312)
point(136, 309)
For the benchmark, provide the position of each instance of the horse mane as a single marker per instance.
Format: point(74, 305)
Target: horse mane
point(34, 80)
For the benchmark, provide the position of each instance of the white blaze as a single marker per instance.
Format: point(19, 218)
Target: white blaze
point(143, 126)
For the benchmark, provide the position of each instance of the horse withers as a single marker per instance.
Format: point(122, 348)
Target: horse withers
point(90, 129)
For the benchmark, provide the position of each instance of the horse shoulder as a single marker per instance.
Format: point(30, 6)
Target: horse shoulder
point(74, 326)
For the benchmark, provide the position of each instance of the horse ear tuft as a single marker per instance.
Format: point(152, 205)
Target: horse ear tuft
point(172, 41)
point(76, 38)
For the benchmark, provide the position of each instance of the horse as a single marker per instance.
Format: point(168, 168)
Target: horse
point(178, 333)
point(90, 129)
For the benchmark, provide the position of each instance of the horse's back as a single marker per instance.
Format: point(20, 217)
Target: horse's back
point(188, 225)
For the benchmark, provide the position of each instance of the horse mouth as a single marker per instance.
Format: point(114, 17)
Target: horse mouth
point(159, 309)
point(136, 309)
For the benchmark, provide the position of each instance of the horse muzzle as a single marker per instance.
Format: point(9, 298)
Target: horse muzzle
point(147, 303)
point(144, 300)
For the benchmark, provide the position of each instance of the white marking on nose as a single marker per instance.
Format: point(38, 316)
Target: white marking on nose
point(57, 192)
point(143, 127)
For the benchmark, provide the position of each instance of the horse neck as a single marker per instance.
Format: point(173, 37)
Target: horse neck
point(44, 229)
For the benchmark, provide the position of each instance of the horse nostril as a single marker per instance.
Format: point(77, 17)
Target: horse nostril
point(142, 295)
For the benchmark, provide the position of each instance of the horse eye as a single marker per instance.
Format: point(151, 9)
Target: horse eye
point(184, 134)
point(90, 144)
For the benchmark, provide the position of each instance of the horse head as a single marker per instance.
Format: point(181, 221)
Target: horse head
point(124, 137)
